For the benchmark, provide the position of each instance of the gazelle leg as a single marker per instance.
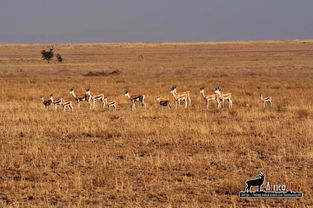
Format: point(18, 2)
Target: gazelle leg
point(218, 103)
point(186, 103)
point(230, 103)
point(94, 103)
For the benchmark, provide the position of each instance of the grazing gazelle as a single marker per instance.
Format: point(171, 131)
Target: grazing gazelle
point(135, 98)
point(208, 97)
point(266, 100)
point(163, 102)
point(222, 97)
point(80, 98)
point(48, 102)
point(110, 104)
point(66, 104)
point(94, 98)
point(181, 96)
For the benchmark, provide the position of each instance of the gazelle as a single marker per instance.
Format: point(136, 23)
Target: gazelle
point(94, 98)
point(208, 97)
point(48, 102)
point(66, 104)
point(163, 102)
point(266, 100)
point(136, 98)
point(110, 104)
point(80, 98)
point(55, 103)
point(181, 96)
point(222, 97)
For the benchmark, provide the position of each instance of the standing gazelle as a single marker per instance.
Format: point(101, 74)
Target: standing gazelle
point(94, 98)
point(181, 96)
point(55, 103)
point(208, 97)
point(266, 100)
point(48, 102)
point(80, 98)
point(66, 104)
point(222, 97)
point(110, 104)
point(135, 98)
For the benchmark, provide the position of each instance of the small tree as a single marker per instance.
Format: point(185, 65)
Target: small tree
point(47, 55)
point(59, 58)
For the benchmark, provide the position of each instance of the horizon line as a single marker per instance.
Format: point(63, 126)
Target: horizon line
point(159, 43)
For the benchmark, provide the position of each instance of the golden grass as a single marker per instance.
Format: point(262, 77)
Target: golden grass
point(155, 157)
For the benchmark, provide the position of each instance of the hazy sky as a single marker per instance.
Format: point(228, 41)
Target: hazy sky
point(72, 21)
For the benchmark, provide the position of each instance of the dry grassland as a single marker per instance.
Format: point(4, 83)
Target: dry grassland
point(155, 157)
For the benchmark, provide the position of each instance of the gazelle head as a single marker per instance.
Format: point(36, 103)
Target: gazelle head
point(88, 91)
point(126, 93)
point(42, 98)
point(173, 89)
point(217, 90)
point(51, 97)
point(105, 100)
point(201, 90)
point(158, 99)
point(71, 91)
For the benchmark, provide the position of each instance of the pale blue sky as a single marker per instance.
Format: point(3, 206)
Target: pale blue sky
point(74, 21)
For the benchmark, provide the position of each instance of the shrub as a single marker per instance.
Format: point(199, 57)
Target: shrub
point(59, 58)
point(47, 55)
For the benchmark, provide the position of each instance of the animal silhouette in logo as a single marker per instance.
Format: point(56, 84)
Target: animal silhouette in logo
point(255, 182)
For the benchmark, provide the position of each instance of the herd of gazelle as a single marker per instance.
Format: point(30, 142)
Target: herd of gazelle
point(179, 97)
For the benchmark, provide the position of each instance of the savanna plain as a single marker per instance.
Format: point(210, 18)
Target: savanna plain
point(155, 157)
